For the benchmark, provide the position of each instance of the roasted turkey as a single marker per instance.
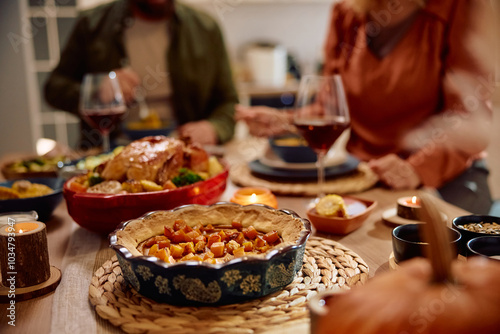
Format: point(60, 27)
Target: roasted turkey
point(155, 158)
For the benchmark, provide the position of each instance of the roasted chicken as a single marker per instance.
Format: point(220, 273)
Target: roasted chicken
point(155, 158)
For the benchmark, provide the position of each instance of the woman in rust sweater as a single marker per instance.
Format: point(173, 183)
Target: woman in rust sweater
point(418, 87)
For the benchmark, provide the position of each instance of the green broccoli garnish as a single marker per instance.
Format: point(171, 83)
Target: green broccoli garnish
point(186, 177)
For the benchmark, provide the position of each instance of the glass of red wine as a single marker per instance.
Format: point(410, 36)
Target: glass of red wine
point(321, 115)
point(102, 104)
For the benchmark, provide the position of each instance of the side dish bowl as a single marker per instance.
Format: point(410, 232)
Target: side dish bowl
point(292, 148)
point(485, 246)
point(459, 223)
point(194, 283)
point(43, 205)
point(407, 242)
point(30, 167)
point(101, 213)
point(357, 209)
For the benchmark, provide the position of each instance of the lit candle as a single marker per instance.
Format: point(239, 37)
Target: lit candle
point(414, 201)
point(18, 216)
point(26, 227)
point(27, 258)
point(251, 195)
point(409, 207)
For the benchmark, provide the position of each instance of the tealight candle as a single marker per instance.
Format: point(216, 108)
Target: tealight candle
point(255, 195)
point(409, 207)
point(25, 260)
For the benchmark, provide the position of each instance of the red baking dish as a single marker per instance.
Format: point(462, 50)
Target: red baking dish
point(101, 213)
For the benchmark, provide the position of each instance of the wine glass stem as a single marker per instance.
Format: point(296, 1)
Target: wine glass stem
point(320, 163)
point(105, 142)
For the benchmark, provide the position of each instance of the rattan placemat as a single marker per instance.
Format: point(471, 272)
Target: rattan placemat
point(360, 180)
point(327, 265)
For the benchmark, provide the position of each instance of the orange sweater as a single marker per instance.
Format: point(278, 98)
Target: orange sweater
point(391, 96)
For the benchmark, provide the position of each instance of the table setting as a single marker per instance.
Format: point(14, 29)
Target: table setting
point(162, 235)
point(91, 284)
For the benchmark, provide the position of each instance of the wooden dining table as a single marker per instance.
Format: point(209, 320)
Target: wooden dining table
point(78, 253)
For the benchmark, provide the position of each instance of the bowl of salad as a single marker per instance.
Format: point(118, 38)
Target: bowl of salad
point(153, 173)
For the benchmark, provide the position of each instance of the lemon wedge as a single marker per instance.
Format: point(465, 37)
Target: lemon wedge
point(331, 205)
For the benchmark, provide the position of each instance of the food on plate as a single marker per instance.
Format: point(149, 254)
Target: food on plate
point(150, 122)
point(290, 141)
point(265, 229)
point(91, 162)
point(488, 228)
point(219, 244)
point(34, 165)
point(150, 164)
point(24, 189)
point(331, 205)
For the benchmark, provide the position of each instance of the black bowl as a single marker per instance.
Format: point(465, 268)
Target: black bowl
point(194, 283)
point(407, 242)
point(43, 205)
point(292, 148)
point(467, 235)
point(484, 246)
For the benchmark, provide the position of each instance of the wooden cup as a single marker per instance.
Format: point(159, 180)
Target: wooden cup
point(24, 256)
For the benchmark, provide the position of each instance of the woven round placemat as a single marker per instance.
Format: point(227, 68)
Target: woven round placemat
point(360, 180)
point(327, 265)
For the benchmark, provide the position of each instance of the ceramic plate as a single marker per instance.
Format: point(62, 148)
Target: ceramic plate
point(350, 164)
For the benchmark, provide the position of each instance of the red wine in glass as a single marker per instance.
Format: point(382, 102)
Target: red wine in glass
point(101, 103)
point(321, 116)
point(321, 134)
point(105, 120)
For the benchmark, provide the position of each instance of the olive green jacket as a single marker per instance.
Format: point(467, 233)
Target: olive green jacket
point(198, 65)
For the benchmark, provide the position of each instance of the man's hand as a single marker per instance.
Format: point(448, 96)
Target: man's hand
point(129, 81)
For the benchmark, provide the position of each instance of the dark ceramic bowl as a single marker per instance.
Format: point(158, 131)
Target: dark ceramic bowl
point(292, 148)
point(43, 205)
point(467, 235)
point(407, 242)
point(102, 213)
point(194, 283)
point(485, 246)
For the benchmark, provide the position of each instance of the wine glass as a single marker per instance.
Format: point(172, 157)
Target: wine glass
point(102, 104)
point(321, 115)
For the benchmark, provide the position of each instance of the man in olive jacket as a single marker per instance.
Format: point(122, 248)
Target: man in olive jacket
point(201, 92)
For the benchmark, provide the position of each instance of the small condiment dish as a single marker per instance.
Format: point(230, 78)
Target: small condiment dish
point(358, 210)
point(407, 242)
point(460, 224)
point(485, 246)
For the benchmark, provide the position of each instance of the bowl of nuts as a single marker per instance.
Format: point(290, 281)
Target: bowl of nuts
point(474, 226)
point(198, 255)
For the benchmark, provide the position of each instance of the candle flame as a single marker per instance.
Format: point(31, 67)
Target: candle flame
point(414, 200)
point(253, 198)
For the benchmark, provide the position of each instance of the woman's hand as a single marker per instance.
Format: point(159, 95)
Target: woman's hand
point(395, 172)
point(264, 121)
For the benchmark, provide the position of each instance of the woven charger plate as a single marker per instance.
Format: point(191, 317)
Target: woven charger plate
point(327, 265)
point(360, 180)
